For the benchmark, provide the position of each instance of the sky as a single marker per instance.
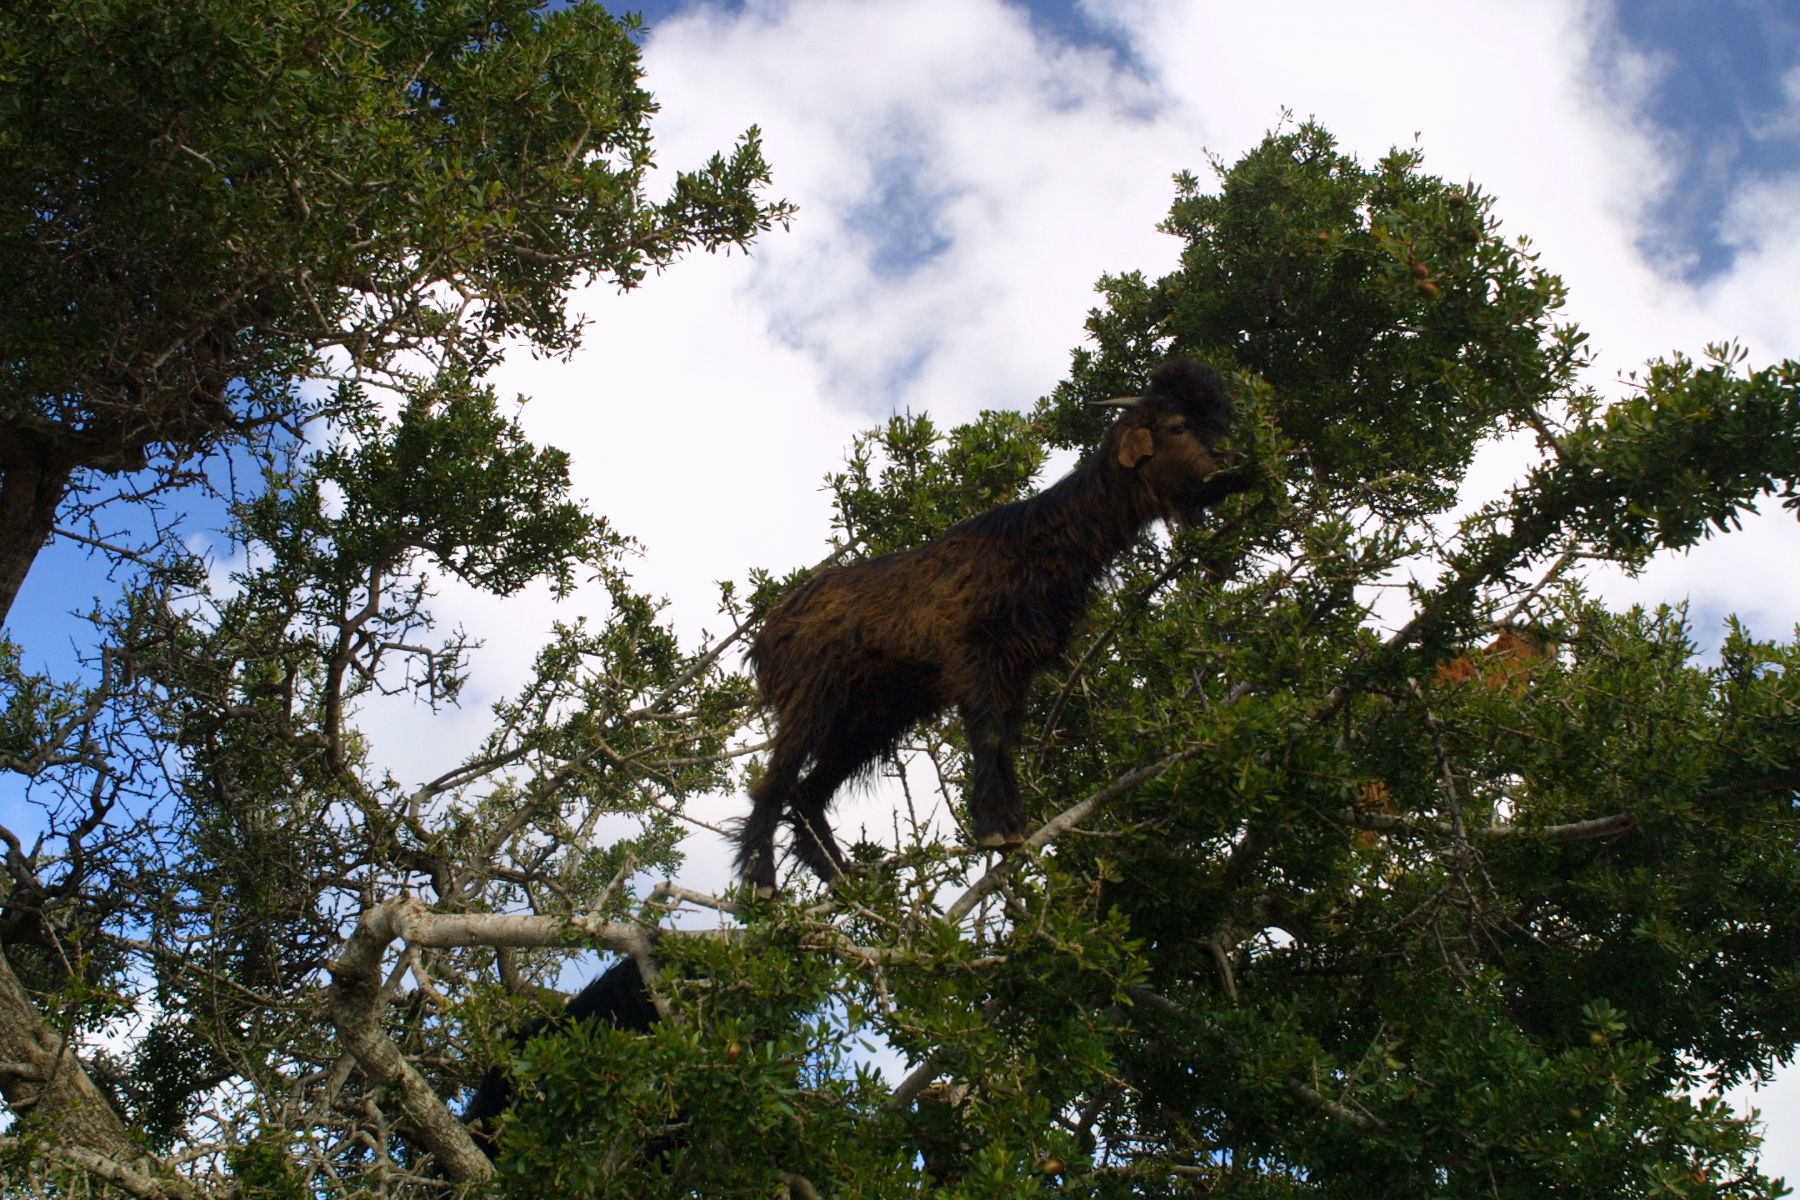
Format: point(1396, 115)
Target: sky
point(965, 170)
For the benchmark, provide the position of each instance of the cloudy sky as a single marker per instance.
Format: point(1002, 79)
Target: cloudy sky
point(966, 169)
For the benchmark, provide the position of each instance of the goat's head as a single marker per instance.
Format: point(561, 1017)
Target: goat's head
point(1173, 438)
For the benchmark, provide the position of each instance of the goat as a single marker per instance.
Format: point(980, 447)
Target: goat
point(857, 655)
point(617, 998)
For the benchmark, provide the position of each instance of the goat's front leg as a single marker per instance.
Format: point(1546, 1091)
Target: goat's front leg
point(996, 811)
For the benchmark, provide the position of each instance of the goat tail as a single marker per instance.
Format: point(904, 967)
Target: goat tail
point(755, 834)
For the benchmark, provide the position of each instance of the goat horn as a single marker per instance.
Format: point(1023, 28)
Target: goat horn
point(1117, 402)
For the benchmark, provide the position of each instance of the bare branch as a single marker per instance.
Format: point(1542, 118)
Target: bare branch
point(126, 1179)
point(670, 890)
point(916, 1081)
point(357, 998)
point(1058, 825)
point(120, 551)
point(1332, 1108)
point(355, 1006)
point(1575, 831)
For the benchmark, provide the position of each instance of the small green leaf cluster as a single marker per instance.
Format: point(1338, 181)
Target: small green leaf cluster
point(906, 483)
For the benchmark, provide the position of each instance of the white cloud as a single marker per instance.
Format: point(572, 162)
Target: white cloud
point(1756, 301)
point(1506, 95)
point(1042, 175)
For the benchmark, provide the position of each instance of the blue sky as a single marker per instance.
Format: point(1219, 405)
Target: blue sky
point(1725, 98)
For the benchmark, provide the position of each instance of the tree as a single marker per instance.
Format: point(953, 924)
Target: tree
point(1376, 856)
point(220, 223)
point(208, 205)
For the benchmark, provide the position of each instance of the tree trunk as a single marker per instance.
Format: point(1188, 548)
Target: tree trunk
point(32, 487)
point(44, 1081)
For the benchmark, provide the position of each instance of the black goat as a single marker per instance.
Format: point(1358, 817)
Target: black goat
point(857, 655)
point(617, 998)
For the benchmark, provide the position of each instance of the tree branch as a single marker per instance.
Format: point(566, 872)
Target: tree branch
point(356, 1000)
point(1058, 825)
point(916, 1081)
point(124, 1178)
point(1574, 831)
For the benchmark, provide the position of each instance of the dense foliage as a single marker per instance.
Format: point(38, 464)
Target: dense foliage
point(205, 205)
point(229, 235)
point(1379, 858)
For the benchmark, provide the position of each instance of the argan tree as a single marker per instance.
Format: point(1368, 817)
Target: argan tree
point(1372, 854)
point(207, 207)
point(226, 231)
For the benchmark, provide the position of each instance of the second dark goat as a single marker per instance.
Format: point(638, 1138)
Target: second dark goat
point(617, 998)
point(857, 655)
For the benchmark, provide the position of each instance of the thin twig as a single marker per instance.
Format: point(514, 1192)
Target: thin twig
point(1058, 825)
point(1574, 831)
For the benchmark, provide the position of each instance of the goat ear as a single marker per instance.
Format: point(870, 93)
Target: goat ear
point(1135, 446)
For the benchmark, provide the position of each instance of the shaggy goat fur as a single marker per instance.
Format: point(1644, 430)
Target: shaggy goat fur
point(857, 655)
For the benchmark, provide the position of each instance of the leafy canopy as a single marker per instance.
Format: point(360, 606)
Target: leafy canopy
point(1414, 869)
point(206, 206)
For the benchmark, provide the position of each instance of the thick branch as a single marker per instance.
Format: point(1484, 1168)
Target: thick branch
point(412, 923)
point(357, 999)
point(356, 1004)
point(1332, 1108)
point(915, 1082)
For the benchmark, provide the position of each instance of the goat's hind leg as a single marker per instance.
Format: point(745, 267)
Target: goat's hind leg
point(771, 796)
point(863, 733)
point(813, 843)
point(996, 810)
